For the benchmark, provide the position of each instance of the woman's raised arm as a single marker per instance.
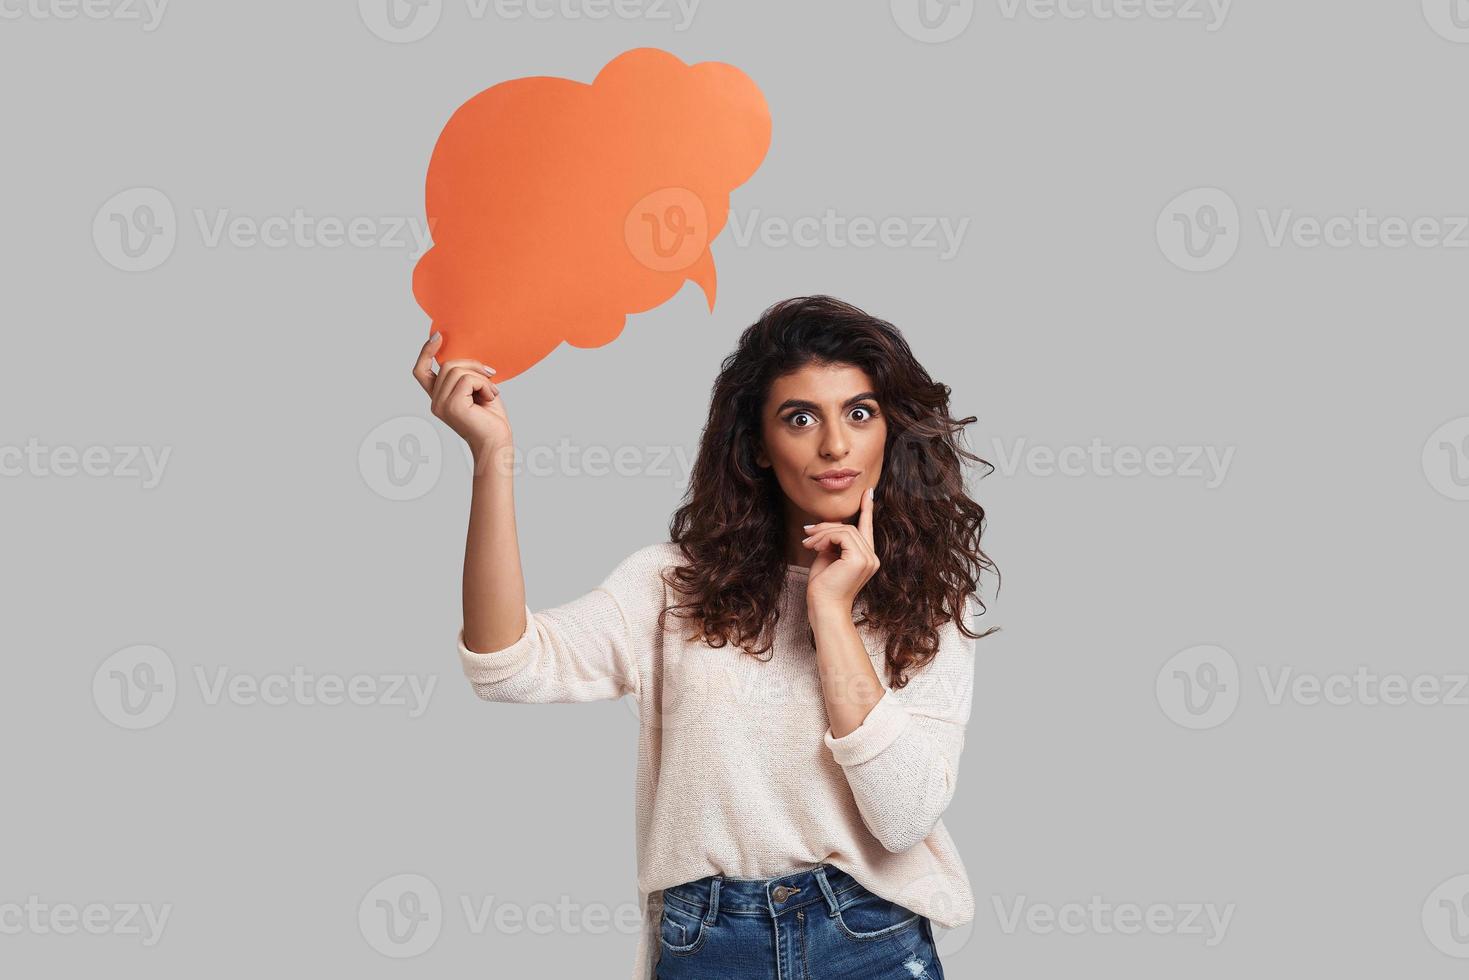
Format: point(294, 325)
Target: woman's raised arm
point(582, 650)
point(463, 396)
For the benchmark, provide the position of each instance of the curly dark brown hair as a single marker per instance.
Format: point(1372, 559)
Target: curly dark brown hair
point(926, 530)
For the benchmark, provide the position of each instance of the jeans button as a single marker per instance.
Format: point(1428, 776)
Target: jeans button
point(783, 892)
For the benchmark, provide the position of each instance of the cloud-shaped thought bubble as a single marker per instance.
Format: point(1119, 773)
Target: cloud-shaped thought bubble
point(558, 207)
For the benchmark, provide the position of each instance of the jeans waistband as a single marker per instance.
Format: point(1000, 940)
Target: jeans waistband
point(765, 896)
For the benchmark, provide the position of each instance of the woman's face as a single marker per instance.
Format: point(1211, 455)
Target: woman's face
point(821, 418)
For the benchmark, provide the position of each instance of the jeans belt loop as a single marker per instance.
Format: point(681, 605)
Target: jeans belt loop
point(831, 899)
point(713, 901)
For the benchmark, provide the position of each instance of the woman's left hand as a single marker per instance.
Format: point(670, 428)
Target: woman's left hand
point(845, 559)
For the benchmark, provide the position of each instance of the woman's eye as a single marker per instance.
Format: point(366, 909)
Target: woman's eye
point(863, 408)
point(798, 415)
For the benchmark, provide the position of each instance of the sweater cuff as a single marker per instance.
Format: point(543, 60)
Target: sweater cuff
point(487, 668)
point(881, 728)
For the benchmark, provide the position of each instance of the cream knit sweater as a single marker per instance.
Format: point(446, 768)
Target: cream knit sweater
point(738, 773)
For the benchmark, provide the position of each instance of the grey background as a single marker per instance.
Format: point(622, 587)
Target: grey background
point(267, 546)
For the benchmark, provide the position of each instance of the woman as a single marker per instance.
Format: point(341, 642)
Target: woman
point(788, 796)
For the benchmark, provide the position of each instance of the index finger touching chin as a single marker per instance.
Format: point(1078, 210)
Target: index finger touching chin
point(864, 516)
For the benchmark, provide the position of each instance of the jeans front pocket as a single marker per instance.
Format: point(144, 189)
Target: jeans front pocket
point(681, 929)
point(863, 916)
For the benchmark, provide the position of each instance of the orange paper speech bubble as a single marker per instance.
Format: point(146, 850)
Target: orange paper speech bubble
point(558, 207)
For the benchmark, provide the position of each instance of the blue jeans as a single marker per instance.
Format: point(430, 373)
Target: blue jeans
point(814, 924)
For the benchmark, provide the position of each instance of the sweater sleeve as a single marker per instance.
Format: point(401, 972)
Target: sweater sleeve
point(581, 650)
point(902, 762)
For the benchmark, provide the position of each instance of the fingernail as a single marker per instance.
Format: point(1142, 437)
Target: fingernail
point(808, 526)
point(434, 336)
point(488, 370)
point(870, 492)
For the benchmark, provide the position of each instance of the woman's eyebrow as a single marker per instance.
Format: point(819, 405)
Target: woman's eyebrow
point(812, 406)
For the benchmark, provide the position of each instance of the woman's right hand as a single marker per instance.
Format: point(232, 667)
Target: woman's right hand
point(465, 399)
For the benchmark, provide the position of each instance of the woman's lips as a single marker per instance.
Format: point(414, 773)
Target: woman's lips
point(838, 482)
